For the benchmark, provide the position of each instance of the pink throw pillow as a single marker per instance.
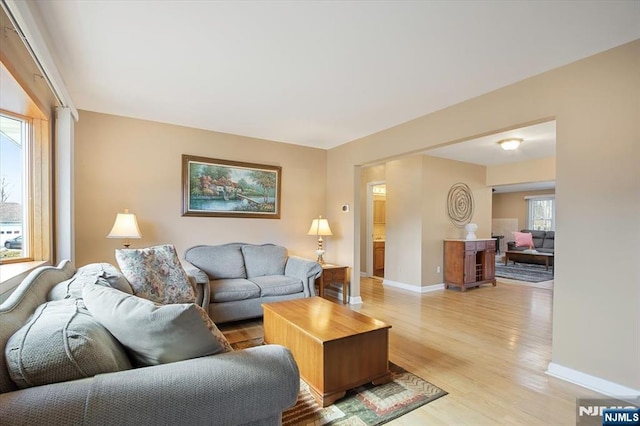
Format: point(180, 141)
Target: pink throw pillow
point(523, 239)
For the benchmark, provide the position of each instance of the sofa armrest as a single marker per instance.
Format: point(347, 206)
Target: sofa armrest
point(305, 270)
point(231, 388)
point(200, 276)
point(201, 280)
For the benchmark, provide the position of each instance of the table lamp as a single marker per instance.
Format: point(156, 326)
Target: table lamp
point(125, 226)
point(320, 227)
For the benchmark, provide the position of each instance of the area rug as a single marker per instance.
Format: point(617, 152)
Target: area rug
point(365, 405)
point(524, 272)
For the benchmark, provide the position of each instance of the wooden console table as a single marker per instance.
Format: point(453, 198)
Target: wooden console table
point(469, 263)
point(334, 274)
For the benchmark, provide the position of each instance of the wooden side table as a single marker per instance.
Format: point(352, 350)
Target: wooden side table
point(334, 274)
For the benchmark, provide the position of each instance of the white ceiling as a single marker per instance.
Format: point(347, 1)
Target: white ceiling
point(539, 141)
point(315, 73)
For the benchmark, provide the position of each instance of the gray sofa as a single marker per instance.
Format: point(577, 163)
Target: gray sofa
point(543, 242)
point(251, 386)
point(240, 277)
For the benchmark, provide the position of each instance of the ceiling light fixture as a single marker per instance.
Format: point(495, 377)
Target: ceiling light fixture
point(510, 144)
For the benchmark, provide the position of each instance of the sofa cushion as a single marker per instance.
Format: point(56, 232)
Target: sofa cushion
point(22, 303)
point(523, 239)
point(155, 334)
point(93, 273)
point(228, 290)
point(110, 273)
point(549, 240)
point(537, 237)
point(218, 262)
point(266, 259)
point(156, 274)
point(62, 342)
point(277, 285)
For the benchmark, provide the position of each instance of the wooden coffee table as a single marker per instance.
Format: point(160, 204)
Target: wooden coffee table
point(510, 255)
point(336, 349)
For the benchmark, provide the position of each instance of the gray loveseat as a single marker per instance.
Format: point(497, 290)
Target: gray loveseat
point(251, 386)
point(241, 277)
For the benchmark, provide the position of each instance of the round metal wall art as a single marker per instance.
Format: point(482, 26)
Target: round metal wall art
point(460, 204)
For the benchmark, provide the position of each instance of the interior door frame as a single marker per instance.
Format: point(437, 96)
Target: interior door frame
point(369, 221)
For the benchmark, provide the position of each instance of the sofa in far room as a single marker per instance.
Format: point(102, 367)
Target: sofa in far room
point(238, 277)
point(543, 242)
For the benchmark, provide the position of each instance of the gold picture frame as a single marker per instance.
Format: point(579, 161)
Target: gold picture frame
point(213, 187)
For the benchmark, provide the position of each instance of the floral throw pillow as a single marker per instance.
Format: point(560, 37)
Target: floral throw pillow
point(155, 274)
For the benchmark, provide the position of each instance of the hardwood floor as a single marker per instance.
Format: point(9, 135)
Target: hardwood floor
point(489, 347)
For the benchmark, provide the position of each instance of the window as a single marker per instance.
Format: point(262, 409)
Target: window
point(28, 102)
point(542, 213)
point(14, 186)
point(25, 177)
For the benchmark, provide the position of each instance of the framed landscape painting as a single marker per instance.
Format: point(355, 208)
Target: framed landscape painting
point(221, 188)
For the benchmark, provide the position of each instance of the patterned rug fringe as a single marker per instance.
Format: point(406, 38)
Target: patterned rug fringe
point(367, 405)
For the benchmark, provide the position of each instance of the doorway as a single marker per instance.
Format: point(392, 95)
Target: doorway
point(376, 228)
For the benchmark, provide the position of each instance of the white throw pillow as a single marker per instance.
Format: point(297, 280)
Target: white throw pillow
point(155, 334)
point(155, 273)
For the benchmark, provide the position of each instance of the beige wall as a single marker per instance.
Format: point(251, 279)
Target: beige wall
point(539, 170)
point(438, 177)
point(403, 246)
point(596, 104)
point(512, 205)
point(127, 163)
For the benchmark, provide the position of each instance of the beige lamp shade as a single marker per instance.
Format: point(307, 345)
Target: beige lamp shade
point(125, 226)
point(320, 226)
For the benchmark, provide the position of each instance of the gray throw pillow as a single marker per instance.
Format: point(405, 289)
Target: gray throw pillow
point(62, 342)
point(266, 259)
point(156, 274)
point(155, 334)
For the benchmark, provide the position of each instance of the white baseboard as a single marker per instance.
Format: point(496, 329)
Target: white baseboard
point(333, 292)
point(432, 287)
point(414, 288)
point(590, 382)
